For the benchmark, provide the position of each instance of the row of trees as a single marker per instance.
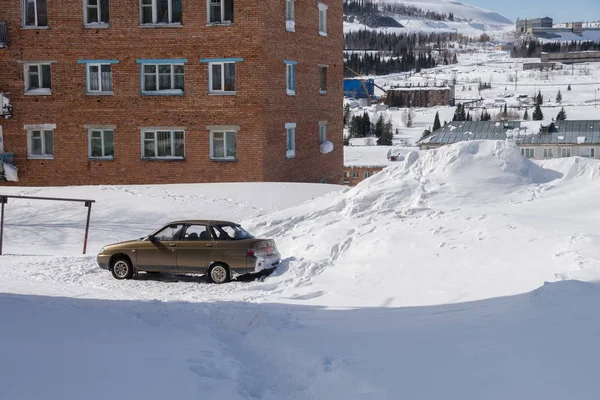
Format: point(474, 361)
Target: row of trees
point(396, 44)
point(361, 126)
point(374, 64)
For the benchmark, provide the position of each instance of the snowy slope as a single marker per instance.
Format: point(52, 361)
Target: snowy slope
point(469, 20)
point(467, 266)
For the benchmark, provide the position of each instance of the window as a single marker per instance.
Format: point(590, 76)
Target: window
point(290, 77)
point(163, 79)
point(99, 78)
point(96, 12)
point(527, 152)
point(230, 232)
point(588, 152)
point(565, 152)
point(355, 174)
point(197, 232)
point(322, 79)
point(322, 19)
point(35, 13)
point(161, 143)
point(346, 174)
point(290, 129)
point(290, 18)
point(220, 11)
point(153, 12)
point(40, 141)
point(367, 174)
point(223, 145)
point(101, 143)
point(170, 233)
point(322, 131)
point(548, 153)
point(222, 77)
point(38, 79)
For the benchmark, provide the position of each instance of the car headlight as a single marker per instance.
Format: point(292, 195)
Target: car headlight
point(102, 249)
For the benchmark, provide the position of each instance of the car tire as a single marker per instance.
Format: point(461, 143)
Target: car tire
point(219, 273)
point(121, 268)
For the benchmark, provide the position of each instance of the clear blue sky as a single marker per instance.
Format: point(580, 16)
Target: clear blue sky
point(559, 10)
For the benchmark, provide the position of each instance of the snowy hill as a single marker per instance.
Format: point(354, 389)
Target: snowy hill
point(466, 261)
point(468, 20)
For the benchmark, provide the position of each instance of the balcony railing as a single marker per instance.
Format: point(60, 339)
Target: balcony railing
point(3, 35)
point(5, 106)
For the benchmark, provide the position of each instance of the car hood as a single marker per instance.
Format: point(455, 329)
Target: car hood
point(127, 243)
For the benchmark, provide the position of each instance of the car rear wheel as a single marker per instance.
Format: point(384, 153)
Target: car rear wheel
point(219, 273)
point(122, 269)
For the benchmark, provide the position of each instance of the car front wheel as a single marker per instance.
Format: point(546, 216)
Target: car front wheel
point(219, 273)
point(122, 269)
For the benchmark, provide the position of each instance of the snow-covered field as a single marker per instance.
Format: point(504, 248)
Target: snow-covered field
point(508, 80)
point(467, 272)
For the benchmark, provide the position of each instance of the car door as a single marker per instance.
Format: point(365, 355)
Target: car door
point(231, 252)
point(159, 253)
point(195, 249)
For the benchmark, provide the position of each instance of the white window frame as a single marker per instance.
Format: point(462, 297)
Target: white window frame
point(39, 91)
point(355, 174)
point(322, 132)
point(290, 140)
point(226, 131)
point(222, 21)
point(99, 24)
point(290, 78)
point(322, 19)
point(565, 152)
point(290, 16)
point(42, 128)
point(155, 15)
point(173, 146)
point(548, 153)
point(23, 16)
point(102, 130)
point(528, 152)
point(88, 79)
point(323, 67)
point(210, 78)
point(589, 152)
point(158, 91)
point(367, 174)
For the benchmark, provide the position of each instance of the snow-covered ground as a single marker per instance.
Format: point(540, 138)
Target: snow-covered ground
point(508, 80)
point(464, 272)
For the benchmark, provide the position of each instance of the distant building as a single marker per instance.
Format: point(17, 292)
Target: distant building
point(420, 96)
point(535, 139)
point(572, 57)
point(362, 162)
point(523, 25)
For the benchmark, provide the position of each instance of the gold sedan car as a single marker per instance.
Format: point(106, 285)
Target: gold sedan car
point(219, 249)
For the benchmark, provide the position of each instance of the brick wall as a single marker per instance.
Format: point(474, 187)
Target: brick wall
point(260, 106)
point(354, 175)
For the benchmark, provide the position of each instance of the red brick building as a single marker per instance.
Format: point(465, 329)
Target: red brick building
point(173, 91)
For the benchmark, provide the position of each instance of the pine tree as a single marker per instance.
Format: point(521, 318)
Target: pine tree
point(559, 97)
point(562, 115)
point(537, 113)
point(469, 118)
point(539, 100)
point(569, 88)
point(366, 124)
point(346, 113)
point(436, 122)
point(379, 126)
point(526, 115)
point(387, 134)
point(459, 113)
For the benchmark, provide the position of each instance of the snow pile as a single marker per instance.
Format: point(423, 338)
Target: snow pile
point(326, 147)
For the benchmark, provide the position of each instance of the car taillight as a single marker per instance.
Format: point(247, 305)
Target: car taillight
point(249, 253)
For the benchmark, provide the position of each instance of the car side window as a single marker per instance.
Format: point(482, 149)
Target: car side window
point(169, 233)
point(220, 234)
point(197, 232)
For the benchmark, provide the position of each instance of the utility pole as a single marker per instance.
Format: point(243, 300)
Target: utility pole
point(516, 79)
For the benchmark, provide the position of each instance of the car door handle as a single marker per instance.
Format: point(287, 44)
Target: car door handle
point(172, 245)
point(209, 245)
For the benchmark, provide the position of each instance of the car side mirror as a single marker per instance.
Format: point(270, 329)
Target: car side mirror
point(151, 238)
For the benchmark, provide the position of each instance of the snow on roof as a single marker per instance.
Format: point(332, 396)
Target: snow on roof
point(372, 156)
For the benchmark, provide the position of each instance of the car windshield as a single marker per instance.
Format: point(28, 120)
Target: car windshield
point(231, 232)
